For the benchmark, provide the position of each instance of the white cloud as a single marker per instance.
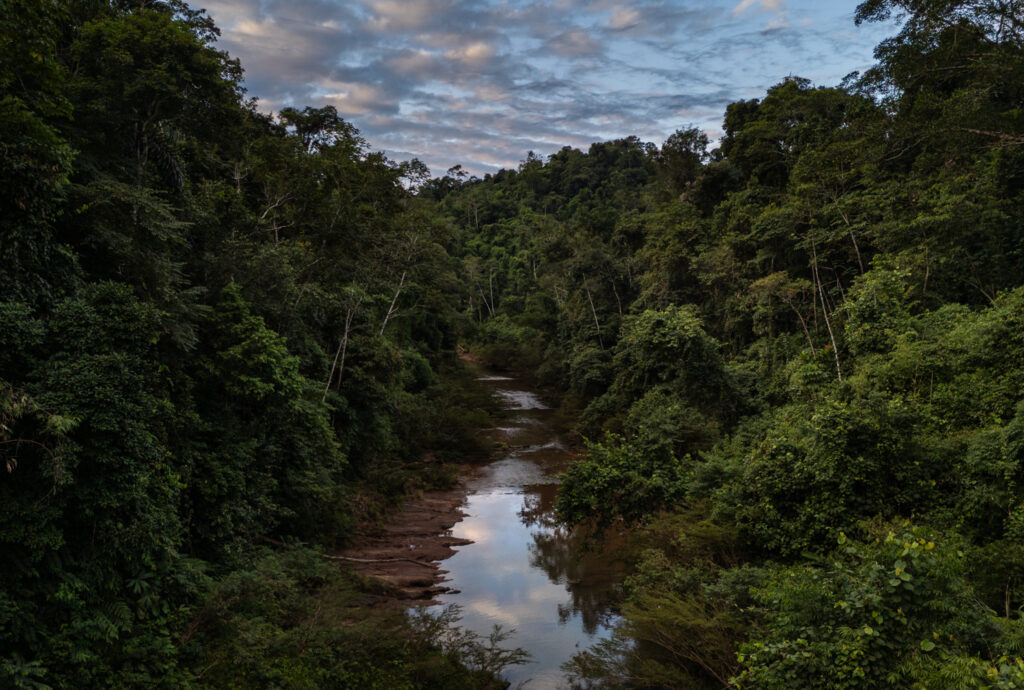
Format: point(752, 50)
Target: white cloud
point(493, 612)
point(762, 5)
point(352, 98)
point(472, 53)
point(418, 63)
point(573, 43)
point(400, 14)
point(625, 18)
point(490, 94)
point(482, 82)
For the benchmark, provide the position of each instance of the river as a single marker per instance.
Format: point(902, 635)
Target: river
point(524, 571)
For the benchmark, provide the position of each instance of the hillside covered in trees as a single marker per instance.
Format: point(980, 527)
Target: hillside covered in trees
point(219, 329)
point(796, 356)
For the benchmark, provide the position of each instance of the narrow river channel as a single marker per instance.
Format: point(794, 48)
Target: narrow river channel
point(522, 570)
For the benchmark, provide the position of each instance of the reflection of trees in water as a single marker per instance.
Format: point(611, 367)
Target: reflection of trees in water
point(590, 576)
point(539, 506)
point(591, 594)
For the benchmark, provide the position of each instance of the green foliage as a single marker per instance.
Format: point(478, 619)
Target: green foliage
point(823, 319)
point(94, 510)
point(823, 469)
point(36, 162)
point(890, 612)
point(485, 658)
point(294, 620)
point(668, 350)
point(265, 458)
point(221, 327)
point(181, 273)
point(667, 640)
point(619, 481)
point(878, 310)
point(686, 608)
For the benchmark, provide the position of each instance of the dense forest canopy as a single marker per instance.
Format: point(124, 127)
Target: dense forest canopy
point(220, 328)
point(797, 356)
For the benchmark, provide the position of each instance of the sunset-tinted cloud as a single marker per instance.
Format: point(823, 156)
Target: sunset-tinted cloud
point(482, 82)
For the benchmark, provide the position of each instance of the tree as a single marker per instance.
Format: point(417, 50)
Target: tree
point(682, 156)
point(36, 161)
point(320, 128)
point(895, 610)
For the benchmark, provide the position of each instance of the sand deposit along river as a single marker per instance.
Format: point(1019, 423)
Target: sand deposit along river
point(524, 571)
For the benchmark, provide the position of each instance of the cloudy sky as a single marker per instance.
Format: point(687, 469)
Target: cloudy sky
point(481, 82)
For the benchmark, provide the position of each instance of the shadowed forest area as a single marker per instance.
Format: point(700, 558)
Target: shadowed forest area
point(795, 357)
point(220, 330)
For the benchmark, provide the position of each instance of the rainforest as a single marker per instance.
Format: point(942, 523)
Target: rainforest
point(790, 362)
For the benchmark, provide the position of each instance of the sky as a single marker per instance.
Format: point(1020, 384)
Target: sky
point(482, 82)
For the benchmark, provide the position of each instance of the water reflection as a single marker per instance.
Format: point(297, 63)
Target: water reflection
point(519, 400)
point(523, 571)
point(590, 572)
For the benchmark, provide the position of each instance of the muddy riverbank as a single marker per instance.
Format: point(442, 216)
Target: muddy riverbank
point(407, 551)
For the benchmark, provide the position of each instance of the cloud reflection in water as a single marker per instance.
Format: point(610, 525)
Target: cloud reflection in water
point(523, 570)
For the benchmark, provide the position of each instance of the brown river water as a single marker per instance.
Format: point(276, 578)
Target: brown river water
point(523, 571)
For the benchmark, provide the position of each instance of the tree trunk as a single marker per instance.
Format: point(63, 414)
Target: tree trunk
point(600, 340)
point(487, 304)
point(860, 261)
point(803, 325)
point(394, 300)
point(342, 348)
point(617, 300)
point(824, 308)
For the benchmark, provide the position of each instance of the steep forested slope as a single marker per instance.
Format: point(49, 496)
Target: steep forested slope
point(799, 359)
point(218, 328)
